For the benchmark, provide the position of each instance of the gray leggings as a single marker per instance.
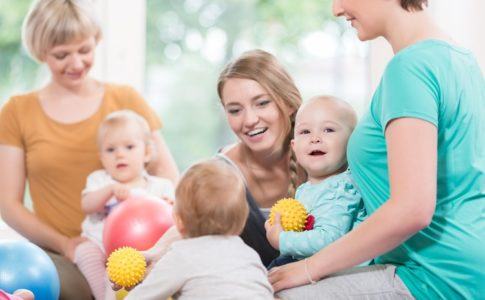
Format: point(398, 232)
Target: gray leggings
point(372, 282)
point(73, 284)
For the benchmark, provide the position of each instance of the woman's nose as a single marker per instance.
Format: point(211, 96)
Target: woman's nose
point(251, 118)
point(76, 62)
point(337, 9)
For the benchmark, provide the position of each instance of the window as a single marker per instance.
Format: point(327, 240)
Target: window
point(189, 42)
point(18, 72)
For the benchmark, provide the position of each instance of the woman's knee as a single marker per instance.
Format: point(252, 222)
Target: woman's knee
point(73, 284)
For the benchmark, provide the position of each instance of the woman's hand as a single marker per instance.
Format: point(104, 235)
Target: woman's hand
point(290, 275)
point(69, 246)
point(273, 231)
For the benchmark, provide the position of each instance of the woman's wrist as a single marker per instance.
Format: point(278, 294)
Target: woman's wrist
point(62, 245)
point(313, 268)
point(308, 274)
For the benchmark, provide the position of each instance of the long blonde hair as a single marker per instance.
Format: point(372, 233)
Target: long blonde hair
point(264, 68)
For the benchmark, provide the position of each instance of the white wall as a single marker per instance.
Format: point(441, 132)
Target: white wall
point(120, 56)
point(463, 20)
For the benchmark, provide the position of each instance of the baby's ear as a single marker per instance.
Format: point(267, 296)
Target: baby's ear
point(149, 152)
point(178, 222)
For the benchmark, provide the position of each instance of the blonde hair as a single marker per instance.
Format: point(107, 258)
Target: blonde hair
point(54, 22)
point(121, 118)
point(263, 68)
point(211, 200)
point(347, 110)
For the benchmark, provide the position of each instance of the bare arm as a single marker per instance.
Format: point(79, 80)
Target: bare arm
point(412, 157)
point(12, 186)
point(95, 201)
point(163, 165)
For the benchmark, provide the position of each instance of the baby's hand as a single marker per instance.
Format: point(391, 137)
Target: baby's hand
point(121, 191)
point(20, 294)
point(273, 231)
point(150, 261)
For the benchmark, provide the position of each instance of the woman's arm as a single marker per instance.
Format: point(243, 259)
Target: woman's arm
point(12, 186)
point(163, 165)
point(412, 156)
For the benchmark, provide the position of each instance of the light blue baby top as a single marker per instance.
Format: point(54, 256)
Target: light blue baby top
point(335, 204)
point(441, 84)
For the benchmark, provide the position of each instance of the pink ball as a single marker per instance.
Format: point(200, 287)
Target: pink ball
point(137, 222)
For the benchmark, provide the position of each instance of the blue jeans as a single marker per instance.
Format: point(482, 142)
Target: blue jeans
point(281, 261)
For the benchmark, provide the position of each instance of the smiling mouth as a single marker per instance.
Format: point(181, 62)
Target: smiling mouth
point(256, 132)
point(317, 153)
point(77, 74)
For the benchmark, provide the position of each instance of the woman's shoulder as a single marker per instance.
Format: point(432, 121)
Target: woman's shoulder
point(119, 96)
point(428, 56)
point(229, 150)
point(23, 99)
point(20, 106)
point(120, 92)
point(230, 153)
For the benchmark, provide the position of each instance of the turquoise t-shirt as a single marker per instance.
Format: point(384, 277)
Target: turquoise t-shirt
point(442, 84)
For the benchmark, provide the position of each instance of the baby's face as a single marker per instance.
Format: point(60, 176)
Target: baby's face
point(124, 153)
point(320, 142)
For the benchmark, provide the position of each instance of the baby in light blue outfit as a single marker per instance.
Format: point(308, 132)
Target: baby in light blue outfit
point(322, 128)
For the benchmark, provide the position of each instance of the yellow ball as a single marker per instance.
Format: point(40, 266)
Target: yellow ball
point(121, 294)
point(293, 214)
point(126, 267)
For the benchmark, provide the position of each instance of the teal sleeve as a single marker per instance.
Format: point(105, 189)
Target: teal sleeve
point(361, 215)
point(335, 210)
point(409, 89)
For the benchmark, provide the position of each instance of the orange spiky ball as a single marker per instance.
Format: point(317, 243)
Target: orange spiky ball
point(126, 267)
point(293, 214)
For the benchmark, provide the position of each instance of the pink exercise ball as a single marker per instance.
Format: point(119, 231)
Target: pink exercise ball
point(137, 222)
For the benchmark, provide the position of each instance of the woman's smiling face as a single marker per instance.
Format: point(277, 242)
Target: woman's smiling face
point(70, 63)
point(253, 115)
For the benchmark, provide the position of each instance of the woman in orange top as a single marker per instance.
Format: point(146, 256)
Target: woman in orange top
point(48, 136)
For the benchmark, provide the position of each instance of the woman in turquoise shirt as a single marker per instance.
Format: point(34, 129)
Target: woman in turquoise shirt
point(418, 157)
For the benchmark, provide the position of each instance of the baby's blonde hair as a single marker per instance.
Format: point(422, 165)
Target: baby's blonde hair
point(347, 110)
point(121, 118)
point(211, 200)
point(54, 22)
